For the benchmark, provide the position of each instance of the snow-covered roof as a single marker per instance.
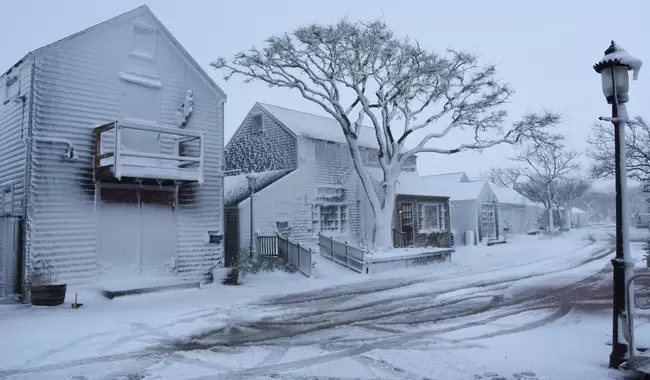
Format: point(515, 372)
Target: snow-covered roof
point(448, 177)
point(411, 183)
point(408, 183)
point(575, 210)
point(507, 195)
point(616, 54)
point(143, 9)
point(235, 188)
point(462, 191)
point(317, 127)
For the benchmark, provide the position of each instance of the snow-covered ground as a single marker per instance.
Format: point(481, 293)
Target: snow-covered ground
point(532, 308)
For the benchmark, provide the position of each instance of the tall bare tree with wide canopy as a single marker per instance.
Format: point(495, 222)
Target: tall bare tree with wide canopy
point(543, 166)
point(637, 142)
point(361, 72)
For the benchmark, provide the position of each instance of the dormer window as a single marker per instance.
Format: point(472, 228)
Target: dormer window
point(258, 124)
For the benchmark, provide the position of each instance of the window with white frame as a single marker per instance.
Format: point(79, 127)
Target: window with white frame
point(321, 151)
point(325, 151)
point(431, 217)
point(257, 124)
point(330, 218)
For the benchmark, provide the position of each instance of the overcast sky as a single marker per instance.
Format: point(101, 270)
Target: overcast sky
point(544, 49)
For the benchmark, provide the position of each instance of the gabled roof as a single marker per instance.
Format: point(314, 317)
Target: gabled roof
point(461, 191)
point(506, 195)
point(316, 127)
point(134, 12)
point(408, 183)
point(448, 177)
point(235, 188)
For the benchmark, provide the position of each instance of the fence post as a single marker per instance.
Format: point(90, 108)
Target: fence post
point(331, 247)
point(288, 247)
point(299, 267)
point(347, 254)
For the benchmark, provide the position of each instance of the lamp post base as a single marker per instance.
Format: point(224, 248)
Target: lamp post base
point(618, 355)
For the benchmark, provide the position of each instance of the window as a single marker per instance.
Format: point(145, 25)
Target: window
point(282, 227)
point(258, 124)
point(325, 150)
point(145, 42)
point(12, 87)
point(333, 194)
point(431, 217)
point(371, 156)
point(330, 218)
point(281, 224)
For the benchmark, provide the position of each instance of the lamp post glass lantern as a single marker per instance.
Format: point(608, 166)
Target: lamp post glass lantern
point(613, 69)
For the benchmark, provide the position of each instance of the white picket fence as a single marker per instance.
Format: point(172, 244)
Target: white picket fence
point(292, 252)
point(342, 253)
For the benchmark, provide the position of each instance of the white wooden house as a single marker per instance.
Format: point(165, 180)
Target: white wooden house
point(515, 212)
point(318, 190)
point(150, 204)
point(579, 218)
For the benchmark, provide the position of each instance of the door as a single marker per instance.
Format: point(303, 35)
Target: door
point(119, 231)
point(10, 259)
point(231, 241)
point(488, 220)
point(406, 209)
point(138, 231)
point(159, 232)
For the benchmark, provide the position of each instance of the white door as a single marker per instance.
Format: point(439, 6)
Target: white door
point(159, 232)
point(138, 233)
point(10, 265)
point(118, 231)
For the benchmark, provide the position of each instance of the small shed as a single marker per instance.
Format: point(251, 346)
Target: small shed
point(473, 205)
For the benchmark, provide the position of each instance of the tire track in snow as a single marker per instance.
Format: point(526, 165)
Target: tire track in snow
point(390, 342)
point(163, 352)
point(262, 332)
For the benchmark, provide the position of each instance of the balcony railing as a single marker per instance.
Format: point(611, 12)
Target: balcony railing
point(113, 160)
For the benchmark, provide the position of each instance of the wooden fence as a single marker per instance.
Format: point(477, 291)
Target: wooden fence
point(342, 253)
point(286, 249)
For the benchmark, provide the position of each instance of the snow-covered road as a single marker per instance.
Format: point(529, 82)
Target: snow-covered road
point(516, 319)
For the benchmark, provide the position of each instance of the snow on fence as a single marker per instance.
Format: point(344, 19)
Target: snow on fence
point(292, 252)
point(342, 253)
point(267, 246)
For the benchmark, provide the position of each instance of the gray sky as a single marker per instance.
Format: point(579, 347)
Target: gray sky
point(545, 49)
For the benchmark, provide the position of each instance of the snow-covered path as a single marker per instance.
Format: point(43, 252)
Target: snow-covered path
point(517, 319)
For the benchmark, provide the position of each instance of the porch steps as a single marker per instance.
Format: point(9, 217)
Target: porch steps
point(112, 291)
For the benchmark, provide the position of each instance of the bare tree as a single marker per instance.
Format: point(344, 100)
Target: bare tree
point(637, 141)
point(357, 72)
point(569, 190)
point(505, 177)
point(543, 166)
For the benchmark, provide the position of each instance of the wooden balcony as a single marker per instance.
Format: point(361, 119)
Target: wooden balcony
point(115, 162)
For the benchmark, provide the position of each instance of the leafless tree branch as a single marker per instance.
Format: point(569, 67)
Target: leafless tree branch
point(637, 141)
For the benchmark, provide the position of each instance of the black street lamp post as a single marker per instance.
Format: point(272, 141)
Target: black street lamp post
point(613, 68)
